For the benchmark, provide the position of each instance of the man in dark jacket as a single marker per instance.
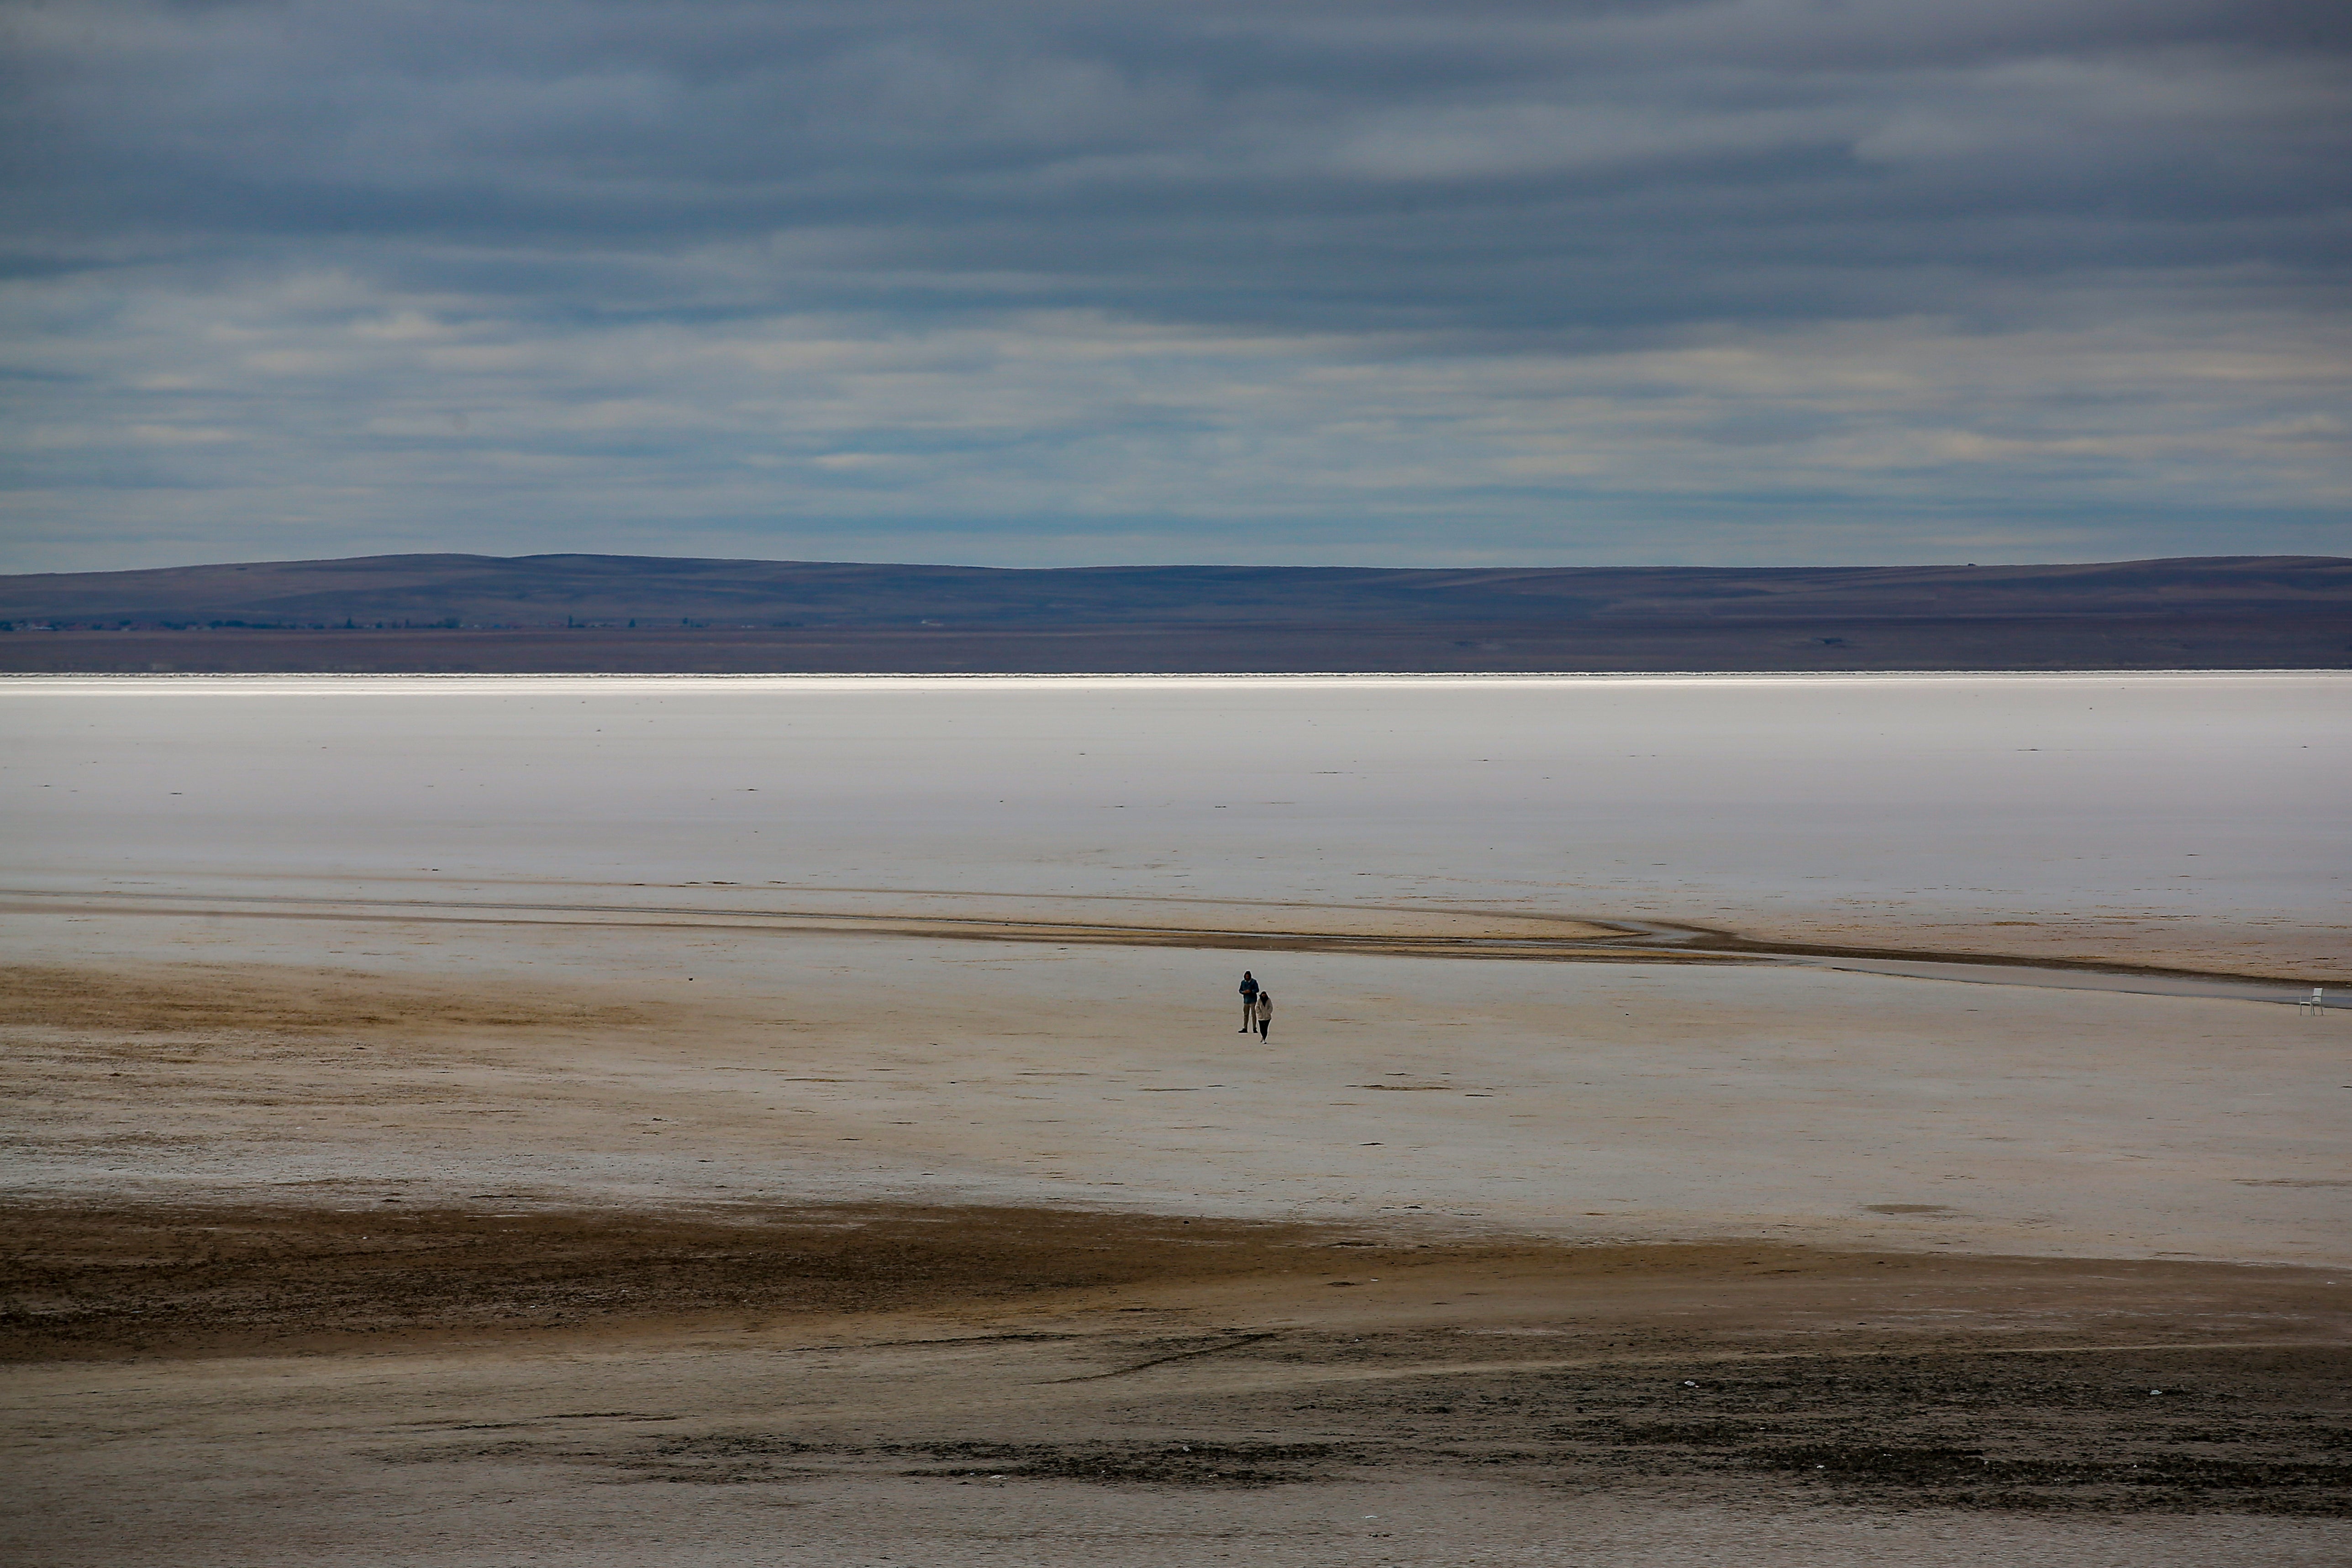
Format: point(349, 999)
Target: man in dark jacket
point(1249, 1002)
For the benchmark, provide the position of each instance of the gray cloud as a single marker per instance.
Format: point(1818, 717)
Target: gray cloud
point(1757, 280)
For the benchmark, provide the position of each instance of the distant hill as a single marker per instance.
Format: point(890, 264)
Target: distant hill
point(654, 613)
point(612, 590)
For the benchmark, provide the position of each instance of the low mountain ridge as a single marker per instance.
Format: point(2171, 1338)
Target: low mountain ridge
point(482, 591)
point(654, 614)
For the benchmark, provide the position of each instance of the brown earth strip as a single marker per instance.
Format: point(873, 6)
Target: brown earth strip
point(157, 1280)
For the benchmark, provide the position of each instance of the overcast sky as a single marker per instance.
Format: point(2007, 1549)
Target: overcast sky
point(1045, 283)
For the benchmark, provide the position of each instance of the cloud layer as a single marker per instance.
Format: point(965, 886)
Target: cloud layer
point(1749, 282)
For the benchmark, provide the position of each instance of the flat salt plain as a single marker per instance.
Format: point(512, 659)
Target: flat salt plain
point(525, 947)
point(639, 836)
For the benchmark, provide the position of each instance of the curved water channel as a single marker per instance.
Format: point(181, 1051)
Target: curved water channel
point(1978, 969)
point(1632, 940)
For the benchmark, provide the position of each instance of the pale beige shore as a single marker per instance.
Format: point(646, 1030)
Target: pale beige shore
point(196, 1059)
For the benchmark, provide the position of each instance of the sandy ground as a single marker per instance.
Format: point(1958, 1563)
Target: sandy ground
point(556, 1244)
point(617, 1218)
point(534, 1064)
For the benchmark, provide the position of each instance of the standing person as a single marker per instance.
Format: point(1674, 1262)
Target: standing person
point(1265, 1010)
point(1249, 1001)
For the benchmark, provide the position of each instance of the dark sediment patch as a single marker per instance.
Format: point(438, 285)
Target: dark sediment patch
point(2226, 1430)
point(2216, 1430)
